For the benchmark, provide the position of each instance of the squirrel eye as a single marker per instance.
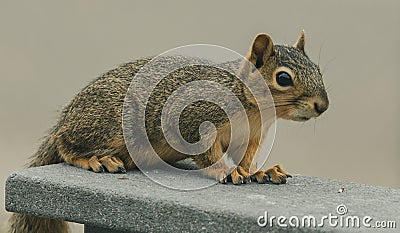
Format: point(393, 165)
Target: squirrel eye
point(284, 79)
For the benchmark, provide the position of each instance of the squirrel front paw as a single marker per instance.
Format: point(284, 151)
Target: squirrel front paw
point(276, 175)
point(236, 175)
point(239, 176)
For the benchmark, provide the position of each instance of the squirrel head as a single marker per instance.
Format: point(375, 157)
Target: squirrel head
point(295, 82)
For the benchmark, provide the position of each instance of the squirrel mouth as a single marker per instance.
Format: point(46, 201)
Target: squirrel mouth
point(303, 118)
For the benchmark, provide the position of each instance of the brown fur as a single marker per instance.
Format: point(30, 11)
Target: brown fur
point(89, 133)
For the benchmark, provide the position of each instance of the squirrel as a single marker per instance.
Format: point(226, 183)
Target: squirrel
point(89, 132)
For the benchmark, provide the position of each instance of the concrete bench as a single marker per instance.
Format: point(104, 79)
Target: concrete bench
point(133, 203)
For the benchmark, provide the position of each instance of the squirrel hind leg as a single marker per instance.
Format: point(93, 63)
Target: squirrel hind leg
point(114, 159)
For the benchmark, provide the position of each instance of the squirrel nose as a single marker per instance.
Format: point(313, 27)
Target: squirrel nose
point(320, 108)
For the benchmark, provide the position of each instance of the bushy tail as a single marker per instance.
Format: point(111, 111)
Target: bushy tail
point(23, 223)
point(47, 153)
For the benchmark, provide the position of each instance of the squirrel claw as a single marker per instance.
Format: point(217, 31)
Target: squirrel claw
point(223, 180)
point(264, 179)
point(280, 180)
point(121, 169)
point(100, 169)
point(247, 180)
point(238, 180)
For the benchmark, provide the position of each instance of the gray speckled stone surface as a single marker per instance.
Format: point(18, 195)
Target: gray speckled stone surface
point(137, 204)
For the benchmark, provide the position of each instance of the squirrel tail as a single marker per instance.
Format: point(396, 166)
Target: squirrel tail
point(23, 223)
point(47, 153)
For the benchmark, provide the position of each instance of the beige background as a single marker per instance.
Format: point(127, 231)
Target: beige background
point(49, 50)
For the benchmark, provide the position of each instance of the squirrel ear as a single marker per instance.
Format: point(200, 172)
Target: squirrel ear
point(261, 49)
point(301, 42)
